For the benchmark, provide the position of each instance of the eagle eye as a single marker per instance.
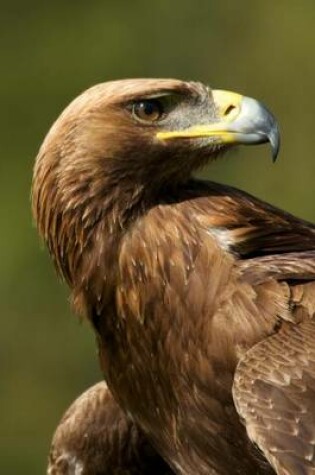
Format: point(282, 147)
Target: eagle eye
point(149, 110)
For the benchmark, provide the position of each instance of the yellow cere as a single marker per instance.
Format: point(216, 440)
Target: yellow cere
point(227, 103)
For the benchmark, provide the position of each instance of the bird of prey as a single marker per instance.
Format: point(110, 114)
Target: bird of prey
point(201, 296)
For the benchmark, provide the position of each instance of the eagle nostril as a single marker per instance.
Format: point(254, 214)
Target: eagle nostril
point(229, 109)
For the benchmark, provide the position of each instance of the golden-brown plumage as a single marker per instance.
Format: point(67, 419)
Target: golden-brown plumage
point(94, 437)
point(188, 284)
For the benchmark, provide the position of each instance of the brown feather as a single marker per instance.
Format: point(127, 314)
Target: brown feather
point(274, 391)
point(95, 437)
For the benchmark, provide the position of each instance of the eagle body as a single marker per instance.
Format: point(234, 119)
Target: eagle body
point(172, 366)
point(201, 296)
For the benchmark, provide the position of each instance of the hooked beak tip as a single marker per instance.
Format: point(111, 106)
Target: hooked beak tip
point(274, 139)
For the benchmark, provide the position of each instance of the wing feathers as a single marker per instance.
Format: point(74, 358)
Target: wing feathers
point(274, 392)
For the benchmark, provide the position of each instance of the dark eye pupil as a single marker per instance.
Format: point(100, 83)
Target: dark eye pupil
point(149, 108)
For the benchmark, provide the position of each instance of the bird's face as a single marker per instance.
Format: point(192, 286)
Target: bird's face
point(153, 131)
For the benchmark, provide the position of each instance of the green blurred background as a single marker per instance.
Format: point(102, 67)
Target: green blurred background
point(50, 51)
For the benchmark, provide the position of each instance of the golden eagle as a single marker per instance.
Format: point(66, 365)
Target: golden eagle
point(201, 296)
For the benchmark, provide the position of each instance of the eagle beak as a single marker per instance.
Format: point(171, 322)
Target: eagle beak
point(240, 120)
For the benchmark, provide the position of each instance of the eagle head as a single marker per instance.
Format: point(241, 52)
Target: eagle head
point(120, 143)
